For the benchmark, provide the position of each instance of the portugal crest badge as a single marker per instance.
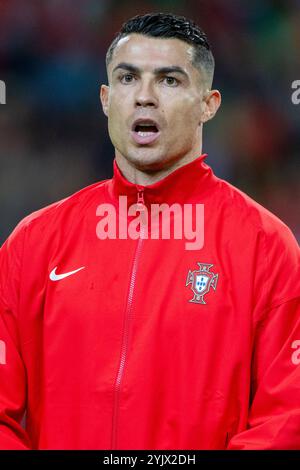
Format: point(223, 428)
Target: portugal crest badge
point(201, 281)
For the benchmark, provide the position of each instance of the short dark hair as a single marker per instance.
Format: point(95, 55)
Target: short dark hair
point(168, 25)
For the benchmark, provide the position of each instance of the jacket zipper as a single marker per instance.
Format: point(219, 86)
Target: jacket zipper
point(128, 321)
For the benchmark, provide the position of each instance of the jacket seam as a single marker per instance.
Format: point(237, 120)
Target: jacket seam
point(237, 198)
point(21, 269)
point(267, 311)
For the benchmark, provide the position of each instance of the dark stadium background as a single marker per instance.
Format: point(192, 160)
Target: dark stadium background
point(53, 134)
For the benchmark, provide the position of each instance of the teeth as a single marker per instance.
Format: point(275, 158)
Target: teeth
point(145, 134)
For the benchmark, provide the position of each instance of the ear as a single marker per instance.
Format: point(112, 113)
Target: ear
point(104, 92)
point(211, 104)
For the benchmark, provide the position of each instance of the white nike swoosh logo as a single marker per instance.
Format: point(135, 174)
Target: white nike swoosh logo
point(57, 277)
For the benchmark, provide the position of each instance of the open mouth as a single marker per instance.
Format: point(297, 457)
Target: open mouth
point(145, 131)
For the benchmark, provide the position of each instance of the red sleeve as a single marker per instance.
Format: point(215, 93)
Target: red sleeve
point(274, 411)
point(274, 418)
point(12, 371)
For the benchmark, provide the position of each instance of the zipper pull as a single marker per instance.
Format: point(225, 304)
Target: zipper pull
point(140, 199)
point(142, 208)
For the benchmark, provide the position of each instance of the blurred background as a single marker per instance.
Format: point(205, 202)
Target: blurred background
point(53, 134)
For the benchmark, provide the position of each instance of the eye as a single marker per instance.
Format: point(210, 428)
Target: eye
point(127, 78)
point(171, 81)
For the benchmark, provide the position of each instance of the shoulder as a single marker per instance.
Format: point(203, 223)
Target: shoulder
point(49, 217)
point(248, 214)
point(274, 252)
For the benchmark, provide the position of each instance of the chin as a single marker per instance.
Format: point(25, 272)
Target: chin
point(147, 159)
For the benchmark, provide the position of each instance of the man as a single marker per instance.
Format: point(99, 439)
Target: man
point(114, 336)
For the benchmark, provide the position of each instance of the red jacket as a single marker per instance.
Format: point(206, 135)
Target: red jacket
point(151, 345)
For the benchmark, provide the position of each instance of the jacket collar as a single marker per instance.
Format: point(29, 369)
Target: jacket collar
point(178, 187)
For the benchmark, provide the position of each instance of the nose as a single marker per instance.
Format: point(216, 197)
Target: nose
point(145, 95)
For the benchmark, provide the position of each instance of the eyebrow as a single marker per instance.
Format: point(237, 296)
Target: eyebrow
point(157, 71)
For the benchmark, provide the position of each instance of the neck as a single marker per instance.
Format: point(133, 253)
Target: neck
point(145, 177)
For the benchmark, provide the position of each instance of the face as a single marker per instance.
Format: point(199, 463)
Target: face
point(156, 102)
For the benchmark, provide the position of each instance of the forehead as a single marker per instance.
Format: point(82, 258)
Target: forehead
point(148, 52)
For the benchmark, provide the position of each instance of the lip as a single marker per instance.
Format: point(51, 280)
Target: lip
point(148, 139)
point(144, 140)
